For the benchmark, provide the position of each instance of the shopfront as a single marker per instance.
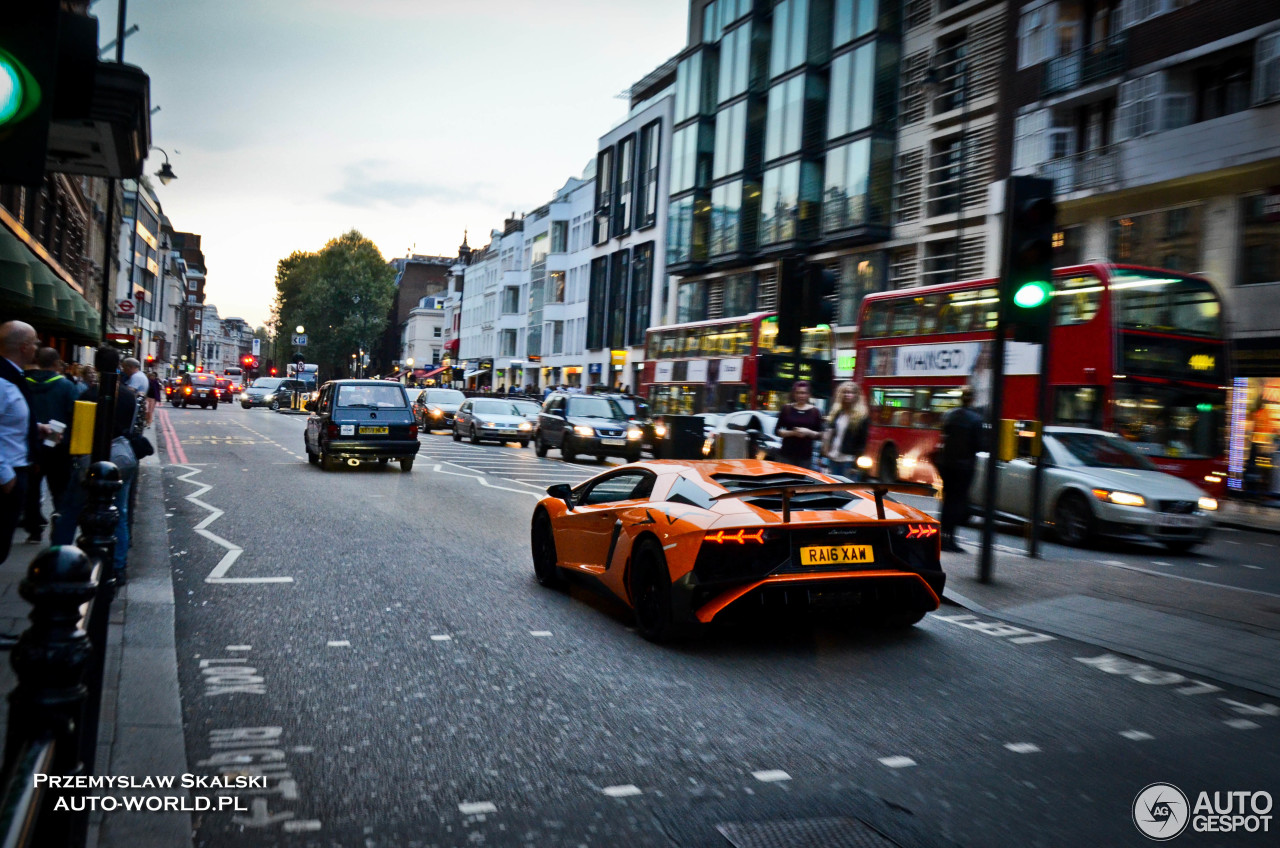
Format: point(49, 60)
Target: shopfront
point(1254, 460)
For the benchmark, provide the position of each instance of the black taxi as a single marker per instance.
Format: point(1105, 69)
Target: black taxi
point(200, 389)
point(361, 421)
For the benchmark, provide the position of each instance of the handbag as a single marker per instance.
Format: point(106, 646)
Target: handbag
point(141, 445)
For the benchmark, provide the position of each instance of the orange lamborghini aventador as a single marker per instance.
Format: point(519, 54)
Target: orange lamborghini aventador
point(688, 543)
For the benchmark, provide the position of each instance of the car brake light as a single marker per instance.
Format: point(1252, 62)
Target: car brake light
point(739, 536)
point(333, 431)
point(921, 531)
point(187, 390)
point(413, 431)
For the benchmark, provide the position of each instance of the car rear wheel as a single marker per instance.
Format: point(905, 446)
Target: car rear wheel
point(1072, 520)
point(329, 463)
point(543, 543)
point(406, 465)
point(524, 443)
point(475, 437)
point(382, 462)
point(539, 446)
point(457, 437)
point(650, 585)
point(246, 405)
point(213, 405)
point(633, 457)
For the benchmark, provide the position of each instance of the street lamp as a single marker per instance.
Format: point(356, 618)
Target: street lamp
point(300, 329)
point(165, 173)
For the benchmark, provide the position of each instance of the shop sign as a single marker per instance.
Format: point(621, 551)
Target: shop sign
point(617, 357)
point(594, 368)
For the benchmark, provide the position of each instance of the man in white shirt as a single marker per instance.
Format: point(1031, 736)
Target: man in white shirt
point(18, 433)
point(131, 371)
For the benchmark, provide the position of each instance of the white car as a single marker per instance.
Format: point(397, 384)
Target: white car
point(481, 419)
point(1096, 485)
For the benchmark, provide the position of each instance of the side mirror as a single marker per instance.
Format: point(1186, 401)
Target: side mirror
point(564, 492)
point(310, 406)
point(737, 426)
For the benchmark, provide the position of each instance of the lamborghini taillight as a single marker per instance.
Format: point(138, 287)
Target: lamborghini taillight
point(741, 536)
point(921, 531)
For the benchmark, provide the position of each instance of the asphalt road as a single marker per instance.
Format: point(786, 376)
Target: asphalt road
point(374, 644)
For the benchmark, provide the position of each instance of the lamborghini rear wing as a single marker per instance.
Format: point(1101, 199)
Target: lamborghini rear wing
point(879, 489)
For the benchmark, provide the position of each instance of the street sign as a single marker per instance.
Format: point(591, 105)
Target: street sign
point(299, 340)
point(257, 347)
point(125, 309)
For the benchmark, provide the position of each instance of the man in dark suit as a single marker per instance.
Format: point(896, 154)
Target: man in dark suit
point(19, 433)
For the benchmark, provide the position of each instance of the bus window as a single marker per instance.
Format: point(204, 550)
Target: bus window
point(1076, 299)
point(1078, 406)
point(815, 343)
point(877, 321)
point(1185, 305)
point(929, 316)
point(970, 311)
point(906, 318)
point(892, 407)
point(669, 345)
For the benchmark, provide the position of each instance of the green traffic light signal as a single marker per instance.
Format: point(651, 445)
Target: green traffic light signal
point(1031, 295)
point(19, 91)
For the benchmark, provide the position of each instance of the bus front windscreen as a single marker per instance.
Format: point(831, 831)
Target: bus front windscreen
point(1184, 306)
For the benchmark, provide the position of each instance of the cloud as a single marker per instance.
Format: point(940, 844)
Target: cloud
point(370, 184)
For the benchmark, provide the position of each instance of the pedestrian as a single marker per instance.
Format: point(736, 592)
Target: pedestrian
point(955, 458)
point(19, 431)
point(800, 426)
point(845, 437)
point(155, 395)
point(51, 398)
point(502, 388)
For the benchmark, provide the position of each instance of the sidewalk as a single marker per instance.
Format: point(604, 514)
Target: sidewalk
point(1264, 517)
point(140, 728)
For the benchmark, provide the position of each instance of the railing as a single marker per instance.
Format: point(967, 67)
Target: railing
point(1105, 58)
point(1092, 169)
point(59, 661)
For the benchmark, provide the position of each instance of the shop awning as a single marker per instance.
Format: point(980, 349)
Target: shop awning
point(420, 372)
point(16, 290)
point(469, 374)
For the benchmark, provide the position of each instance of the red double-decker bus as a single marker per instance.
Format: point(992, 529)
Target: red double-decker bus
point(1137, 351)
point(729, 364)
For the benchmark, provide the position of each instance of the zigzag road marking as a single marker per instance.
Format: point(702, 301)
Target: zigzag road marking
point(218, 575)
point(437, 467)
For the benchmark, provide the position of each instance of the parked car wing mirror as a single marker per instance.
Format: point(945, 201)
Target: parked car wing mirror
point(564, 492)
point(737, 426)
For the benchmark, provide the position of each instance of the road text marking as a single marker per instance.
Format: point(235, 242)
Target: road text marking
point(770, 775)
point(897, 762)
point(1022, 747)
point(623, 791)
point(1136, 735)
point(477, 807)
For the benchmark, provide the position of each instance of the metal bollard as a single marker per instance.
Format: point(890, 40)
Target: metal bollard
point(99, 519)
point(50, 660)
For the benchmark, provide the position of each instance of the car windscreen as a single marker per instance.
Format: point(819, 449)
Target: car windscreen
point(595, 407)
point(267, 382)
point(494, 407)
point(371, 397)
point(1094, 450)
point(451, 396)
point(526, 407)
point(202, 379)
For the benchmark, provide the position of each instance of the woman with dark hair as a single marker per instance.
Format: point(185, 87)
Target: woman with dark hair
point(799, 425)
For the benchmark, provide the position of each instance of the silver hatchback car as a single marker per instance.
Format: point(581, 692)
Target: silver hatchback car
point(1096, 485)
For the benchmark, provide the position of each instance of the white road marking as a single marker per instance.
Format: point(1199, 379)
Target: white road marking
point(239, 647)
point(218, 575)
point(300, 826)
point(623, 791)
point(476, 807)
point(1159, 562)
point(770, 775)
point(1254, 567)
point(1022, 747)
point(302, 749)
point(1110, 562)
point(539, 632)
point(1166, 575)
point(1241, 723)
point(1232, 542)
point(1207, 564)
point(897, 762)
point(1136, 735)
point(441, 637)
point(339, 643)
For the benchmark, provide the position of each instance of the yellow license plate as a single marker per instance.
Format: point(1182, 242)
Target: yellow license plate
point(373, 431)
point(836, 555)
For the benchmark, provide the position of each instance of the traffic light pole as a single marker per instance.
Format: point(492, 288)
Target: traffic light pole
point(986, 557)
point(1037, 476)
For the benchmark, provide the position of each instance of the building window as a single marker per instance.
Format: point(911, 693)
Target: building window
point(641, 293)
point(616, 309)
point(731, 140)
point(952, 70)
point(939, 262)
point(435, 332)
point(790, 36)
point(555, 287)
point(1168, 239)
point(785, 118)
point(597, 299)
point(1068, 246)
point(695, 77)
point(622, 197)
point(735, 62)
point(691, 302)
point(507, 343)
point(1260, 239)
point(193, 285)
point(1035, 36)
point(853, 19)
point(911, 99)
point(604, 195)
point(857, 184)
point(1153, 103)
point(1266, 71)
point(646, 203)
point(788, 203)
point(853, 80)
point(726, 218)
point(944, 176)
point(557, 337)
point(510, 300)
point(859, 275)
point(1029, 139)
point(917, 12)
point(559, 236)
point(692, 153)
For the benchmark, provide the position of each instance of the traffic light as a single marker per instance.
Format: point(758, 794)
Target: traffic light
point(28, 68)
point(819, 300)
point(1026, 284)
point(791, 285)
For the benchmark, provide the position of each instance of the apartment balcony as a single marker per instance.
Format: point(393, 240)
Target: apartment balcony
point(1092, 170)
point(1106, 58)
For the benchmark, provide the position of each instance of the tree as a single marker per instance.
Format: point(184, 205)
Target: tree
point(342, 295)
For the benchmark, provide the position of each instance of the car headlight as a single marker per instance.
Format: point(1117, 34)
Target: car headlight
point(436, 413)
point(1121, 498)
point(481, 422)
point(583, 430)
point(524, 425)
point(660, 431)
point(864, 462)
point(269, 398)
point(1208, 504)
point(243, 396)
point(634, 433)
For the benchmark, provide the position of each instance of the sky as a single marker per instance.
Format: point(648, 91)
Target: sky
point(290, 122)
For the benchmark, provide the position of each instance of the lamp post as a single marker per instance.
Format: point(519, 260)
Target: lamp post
point(165, 174)
point(408, 373)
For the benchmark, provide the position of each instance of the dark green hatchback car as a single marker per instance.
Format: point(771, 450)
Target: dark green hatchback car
point(361, 421)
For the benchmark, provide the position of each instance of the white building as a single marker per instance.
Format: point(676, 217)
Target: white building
point(422, 337)
point(564, 297)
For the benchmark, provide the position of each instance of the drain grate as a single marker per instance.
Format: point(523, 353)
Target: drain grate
point(839, 832)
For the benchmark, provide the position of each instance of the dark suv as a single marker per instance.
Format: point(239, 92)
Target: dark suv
point(361, 420)
point(590, 424)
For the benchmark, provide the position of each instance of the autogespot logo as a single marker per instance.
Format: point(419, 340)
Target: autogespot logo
point(1160, 811)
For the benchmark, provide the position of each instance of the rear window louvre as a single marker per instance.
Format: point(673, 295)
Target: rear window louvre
point(799, 501)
